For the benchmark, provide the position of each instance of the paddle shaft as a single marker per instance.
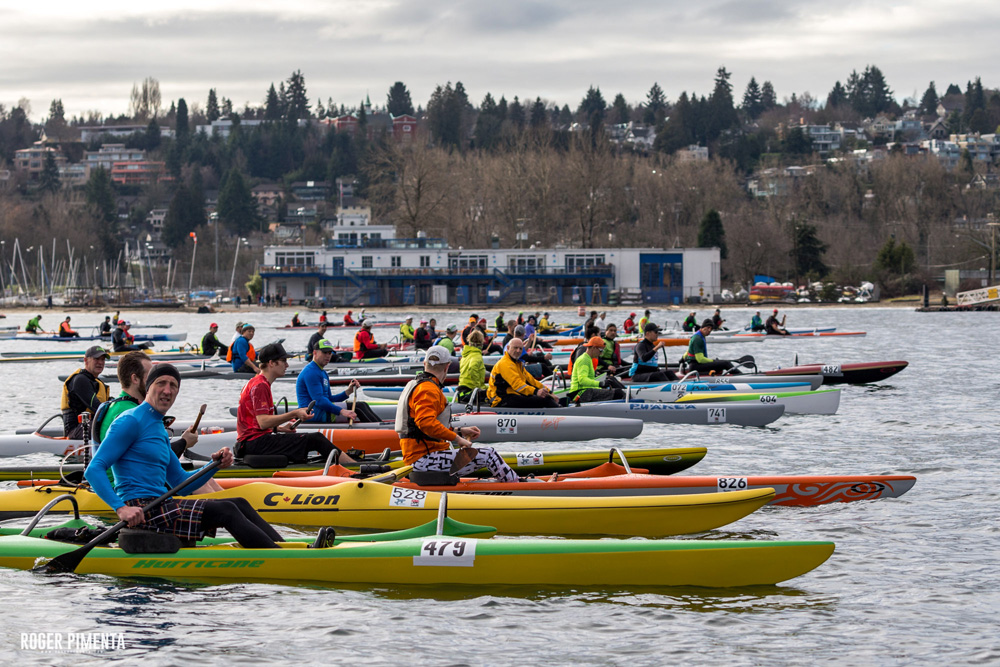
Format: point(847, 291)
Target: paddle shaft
point(68, 562)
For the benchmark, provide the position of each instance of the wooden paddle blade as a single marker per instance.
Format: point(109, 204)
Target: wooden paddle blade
point(463, 458)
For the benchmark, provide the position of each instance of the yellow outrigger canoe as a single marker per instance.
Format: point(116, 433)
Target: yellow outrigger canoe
point(369, 506)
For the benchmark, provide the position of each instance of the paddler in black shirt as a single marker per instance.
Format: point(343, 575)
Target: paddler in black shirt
point(83, 391)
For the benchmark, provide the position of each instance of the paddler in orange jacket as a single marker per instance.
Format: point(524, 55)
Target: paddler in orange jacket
point(422, 421)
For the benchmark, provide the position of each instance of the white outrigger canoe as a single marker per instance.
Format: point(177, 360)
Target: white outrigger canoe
point(819, 402)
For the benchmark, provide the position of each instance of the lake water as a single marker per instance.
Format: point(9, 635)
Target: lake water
point(914, 579)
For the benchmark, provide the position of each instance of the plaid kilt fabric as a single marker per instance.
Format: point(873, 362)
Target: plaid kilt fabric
point(177, 517)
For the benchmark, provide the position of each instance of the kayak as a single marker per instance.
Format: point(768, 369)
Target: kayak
point(611, 480)
point(393, 393)
point(164, 355)
point(660, 461)
point(375, 436)
point(742, 414)
point(797, 334)
point(853, 373)
point(444, 560)
point(138, 337)
point(819, 402)
point(371, 506)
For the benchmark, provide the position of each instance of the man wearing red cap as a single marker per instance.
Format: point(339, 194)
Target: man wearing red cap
point(773, 327)
point(629, 326)
point(210, 343)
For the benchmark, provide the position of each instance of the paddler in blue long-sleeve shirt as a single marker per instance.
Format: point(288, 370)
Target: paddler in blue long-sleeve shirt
point(313, 384)
point(137, 450)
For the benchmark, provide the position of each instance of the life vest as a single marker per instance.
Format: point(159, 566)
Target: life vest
point(405, 425)
point(64, 327)
point(102, 391)
point(251, 353)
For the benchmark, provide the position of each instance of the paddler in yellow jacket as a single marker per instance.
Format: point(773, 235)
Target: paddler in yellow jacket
point(406, 331)
point(422, 421)
point(512, 386)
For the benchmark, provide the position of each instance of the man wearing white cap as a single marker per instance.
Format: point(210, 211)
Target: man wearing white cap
point(422, 421)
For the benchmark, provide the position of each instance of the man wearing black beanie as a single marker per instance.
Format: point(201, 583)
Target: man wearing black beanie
point(137, 449)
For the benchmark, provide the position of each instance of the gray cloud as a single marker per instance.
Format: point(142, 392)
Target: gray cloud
point(553, 49)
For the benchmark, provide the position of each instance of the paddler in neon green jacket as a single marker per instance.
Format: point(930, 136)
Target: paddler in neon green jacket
point(472, 370)
point(585, 387)
point(406, 331)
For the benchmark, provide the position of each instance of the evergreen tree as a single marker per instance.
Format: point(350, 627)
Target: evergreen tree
point(538, 117)
point(48, 180)
point(753, 104)
point(487, 124)
point(212, 106)
point(565, 116)
point(100, 197)
point(320, 109)
point(272, 105)
point(796, 142)
point(502, 108)
point(297, 99)
point(895, 259)
point(676, 133)
point(768, 100)
point(592, 108)
point(722, 112)
point(445, 115)
point(952, 90)
point(837, 97)
point(929, 102)
point(226, 108)
point(183, 217)
point(153, 136)
point(182, 130)
point(398, 101)
point(656, 105)
point(620, 113)
point(516, 114)
point(807, 251)
point(237, 207)
point(55, 126)
point(711, 233)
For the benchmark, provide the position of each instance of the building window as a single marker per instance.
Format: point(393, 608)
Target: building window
point(425, 261)
point(396, 261)
point(366, 261)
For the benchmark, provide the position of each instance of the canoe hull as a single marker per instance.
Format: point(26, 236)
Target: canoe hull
point(534, 563)
point(372, 507)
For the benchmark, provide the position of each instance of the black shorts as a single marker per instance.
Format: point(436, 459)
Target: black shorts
point(296, 446)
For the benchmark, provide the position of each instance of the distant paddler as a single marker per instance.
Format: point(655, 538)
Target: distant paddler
point(313, 384)
point(773, 327)
point(137, 450)
point(210, 343)
point(585, 386)
point(756, 324)
point(696, 358)
point(316, 338)
point(365, 346)
point(65, 331)
point(645, 365)
point(348, 320)
point(406, 330)
point(422, 421)
point(296, 322)
point(242, 354)
point(511, 385)
point(123, 341)
point(34, 325)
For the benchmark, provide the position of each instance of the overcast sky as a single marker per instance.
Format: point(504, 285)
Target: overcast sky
point(90, 54)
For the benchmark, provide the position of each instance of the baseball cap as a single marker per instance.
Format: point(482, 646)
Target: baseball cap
point(650, 327)
point(125, 323)
point(631, 314)
point(452, 327)
point(595, 341)
point(248, 326)
point(324, 345)
point(423, 321)
point(707, 323)
point(482, 320)
point(272, 352)
point(409, 318)
point(366, 324)
point(96, 352)
point(212, 325)
point(775, 310)
point(437, 355)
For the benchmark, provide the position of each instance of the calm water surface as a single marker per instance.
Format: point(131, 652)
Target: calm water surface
point(914, 579)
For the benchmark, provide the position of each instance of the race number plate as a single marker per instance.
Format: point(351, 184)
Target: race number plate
point(530, 459)
point(407, 498)
point(833, 370)
point(506, 426)
point(444, 552)
point(716, 415)
point(731, 484)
